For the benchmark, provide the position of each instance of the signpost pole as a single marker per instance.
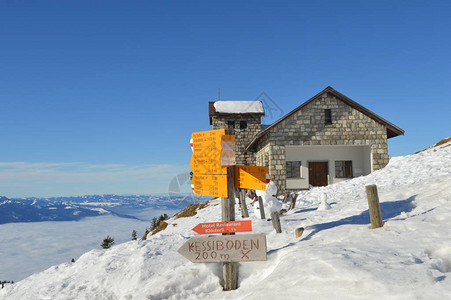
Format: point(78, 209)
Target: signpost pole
point(229, 269)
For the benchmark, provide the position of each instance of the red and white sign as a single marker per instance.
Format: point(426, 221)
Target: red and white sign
point(223, 227)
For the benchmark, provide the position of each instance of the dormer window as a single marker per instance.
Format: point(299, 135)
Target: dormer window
point(328, 116)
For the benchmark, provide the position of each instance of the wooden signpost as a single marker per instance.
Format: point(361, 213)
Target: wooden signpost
point(223, 227)
point(229, 269)
point(215, 174)
point(225, 248)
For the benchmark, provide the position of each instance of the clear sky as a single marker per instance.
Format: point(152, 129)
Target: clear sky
point(102, 96)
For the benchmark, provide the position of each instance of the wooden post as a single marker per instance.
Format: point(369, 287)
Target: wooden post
point(276, 221)
point(260, 206)
point(292, 201)
point(229, 269)
point(374, 206)
point(285, 197)
point(228, 204)
point(244, 212)
point(298, 232)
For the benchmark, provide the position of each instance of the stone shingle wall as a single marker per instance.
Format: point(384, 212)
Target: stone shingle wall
point(242, 136)
point(307, 127)
point(262, 156)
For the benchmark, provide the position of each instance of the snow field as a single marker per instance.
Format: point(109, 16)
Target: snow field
point(338, 256)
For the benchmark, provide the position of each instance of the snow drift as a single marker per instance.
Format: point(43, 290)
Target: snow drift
point(338, 256)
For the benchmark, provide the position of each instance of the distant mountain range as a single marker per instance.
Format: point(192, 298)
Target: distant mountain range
point(75, 208)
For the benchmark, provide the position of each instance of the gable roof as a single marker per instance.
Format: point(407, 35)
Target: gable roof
point(392, 130)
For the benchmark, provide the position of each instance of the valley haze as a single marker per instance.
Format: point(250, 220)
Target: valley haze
point(36, 233)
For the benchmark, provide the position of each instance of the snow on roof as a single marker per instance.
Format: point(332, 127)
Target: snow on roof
point(239, 107)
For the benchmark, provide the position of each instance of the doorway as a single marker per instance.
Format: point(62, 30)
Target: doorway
point(318, 172)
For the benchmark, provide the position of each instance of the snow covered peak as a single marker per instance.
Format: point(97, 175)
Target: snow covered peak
point(239, 107)
point(3, 200)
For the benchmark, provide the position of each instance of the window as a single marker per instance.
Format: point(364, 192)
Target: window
point(293, 169)
point(230, 127)
point(328, 116)
point(243, 125)
point(343, 169)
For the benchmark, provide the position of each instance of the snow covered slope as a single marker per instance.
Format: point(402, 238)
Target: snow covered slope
point(338, 256)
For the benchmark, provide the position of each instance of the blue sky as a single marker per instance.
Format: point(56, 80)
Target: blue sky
point(102, 96)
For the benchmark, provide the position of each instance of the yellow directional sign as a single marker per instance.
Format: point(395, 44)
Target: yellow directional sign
point(207, 140)
point(250, 177)
point(210, 185)
point(212, 151)
point(205, 166)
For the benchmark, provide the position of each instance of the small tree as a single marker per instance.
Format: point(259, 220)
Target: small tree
point(157, 221)
point(162, 217)
point(134, 235)
point(154, 224)
point(107, 242)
